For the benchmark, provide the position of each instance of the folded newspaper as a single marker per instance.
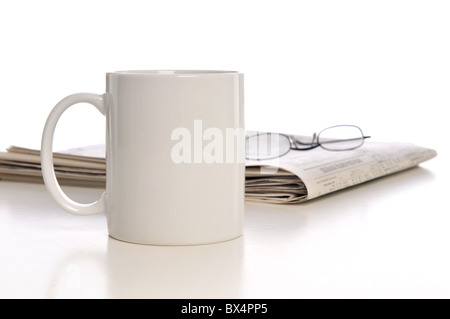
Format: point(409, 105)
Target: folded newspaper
point(296, 177)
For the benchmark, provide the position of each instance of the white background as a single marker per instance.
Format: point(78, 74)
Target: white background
point(383, 65)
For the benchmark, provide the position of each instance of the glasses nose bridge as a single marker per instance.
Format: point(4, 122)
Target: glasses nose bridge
point(314, 139)
point(292, 141)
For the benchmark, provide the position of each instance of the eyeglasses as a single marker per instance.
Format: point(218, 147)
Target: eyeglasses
point(263, 146)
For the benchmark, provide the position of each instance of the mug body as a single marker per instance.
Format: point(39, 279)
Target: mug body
point(174, 156)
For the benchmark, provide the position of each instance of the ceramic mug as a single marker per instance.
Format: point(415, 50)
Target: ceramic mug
point(175, 168)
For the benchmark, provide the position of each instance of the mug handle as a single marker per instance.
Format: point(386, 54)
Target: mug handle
point(48, 170)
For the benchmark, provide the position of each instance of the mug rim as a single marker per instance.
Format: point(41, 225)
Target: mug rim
point(153, 73)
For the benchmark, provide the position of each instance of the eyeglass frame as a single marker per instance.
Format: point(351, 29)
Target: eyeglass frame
point(293, 141)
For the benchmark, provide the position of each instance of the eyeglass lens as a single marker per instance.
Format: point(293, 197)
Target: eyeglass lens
point(266, 146)
point(341, 138)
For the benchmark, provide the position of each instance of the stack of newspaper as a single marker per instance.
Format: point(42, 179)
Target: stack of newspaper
point(75, 167)
point(293, 178)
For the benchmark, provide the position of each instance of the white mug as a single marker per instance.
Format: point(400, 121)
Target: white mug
point(158, 191)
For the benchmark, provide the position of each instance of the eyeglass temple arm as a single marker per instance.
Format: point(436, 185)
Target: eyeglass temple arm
point(296, 142)
point(350, 139)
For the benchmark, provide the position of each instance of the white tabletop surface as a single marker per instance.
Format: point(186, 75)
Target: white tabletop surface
point(386, 238)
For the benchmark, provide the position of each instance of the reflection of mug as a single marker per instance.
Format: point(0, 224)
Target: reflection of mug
point(152, 196)
point(205, 271)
